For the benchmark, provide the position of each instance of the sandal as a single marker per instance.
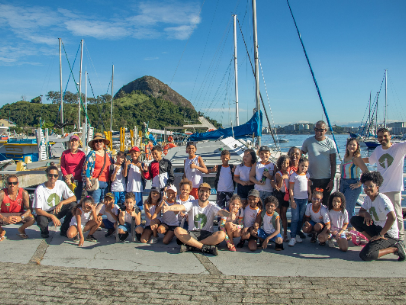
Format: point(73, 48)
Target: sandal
point(22, 235)
point(232, 248)
point(2, 238)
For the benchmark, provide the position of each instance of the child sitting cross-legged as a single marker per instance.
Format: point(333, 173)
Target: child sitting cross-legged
point(125, 218)
point(233, 224)
point(271, 227)
point(169, 220)
point(152, 208)
point(339, 221)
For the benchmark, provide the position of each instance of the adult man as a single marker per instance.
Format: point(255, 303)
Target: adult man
point(322, 160)
point(52, 201)
point(15, 207)
point(389, 158)
point(201, 214)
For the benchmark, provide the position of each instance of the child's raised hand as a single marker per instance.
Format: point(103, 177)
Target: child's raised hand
point(128, 162)
point(165, 207)
point(145, 168)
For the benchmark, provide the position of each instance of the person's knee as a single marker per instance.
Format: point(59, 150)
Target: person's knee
point(279, 240)
point(367, 255)
point(318, 227)
point(179, 231)
point(221, 235)
point(322, 238)
point(252, 245)
point(161, 230)
point(139, 230)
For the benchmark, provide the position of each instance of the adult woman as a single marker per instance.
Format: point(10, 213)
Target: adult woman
point(97, 165)
point(72, 161)
point(294, 154)
point(351, 168)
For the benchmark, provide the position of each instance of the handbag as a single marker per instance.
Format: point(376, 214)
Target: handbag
point(95, 181)
point(286, 197)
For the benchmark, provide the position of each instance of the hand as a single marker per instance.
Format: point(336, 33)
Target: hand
point(88, 184)
point(165, 207)
point(293, 204)
point(267, 174)
point(117, 167)
point(145, 168)
point(355, 185)
point(368, 219)
point(128, 162)
point(233, 170)
point(233, 216)
point(192, 165)
point(265, 244)
point(11, 219)
point(261, 183)
point(330, 185)
point(377, 237)
point(334, 233)
point(58, 208)
point(81, 241)
point(68, 180)
point(56, 221)
point(214, 169)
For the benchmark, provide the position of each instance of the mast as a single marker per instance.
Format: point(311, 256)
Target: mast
point(60, 79)
point(237, 118)
point(369, 114)
point(376, 116)
point(80, 82)
point(386, 96)
point(86, 99)
point(254, 17)
point(111, 110)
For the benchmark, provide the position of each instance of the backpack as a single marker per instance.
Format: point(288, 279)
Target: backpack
point(216, 181)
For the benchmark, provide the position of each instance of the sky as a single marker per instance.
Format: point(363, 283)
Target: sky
point(189, 46)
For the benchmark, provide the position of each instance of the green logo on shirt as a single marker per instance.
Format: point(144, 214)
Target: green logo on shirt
point(200, 221)
point(53, 200)
point(385, 160)
point(373, 213)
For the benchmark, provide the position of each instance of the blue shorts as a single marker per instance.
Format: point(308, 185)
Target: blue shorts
point(262, 234)
point(108, 224)
point(314, 223)
point(126, 227)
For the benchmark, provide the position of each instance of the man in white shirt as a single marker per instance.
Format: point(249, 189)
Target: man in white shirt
point(389, 158)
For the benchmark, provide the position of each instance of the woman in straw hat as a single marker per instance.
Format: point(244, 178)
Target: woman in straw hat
point(97, 165)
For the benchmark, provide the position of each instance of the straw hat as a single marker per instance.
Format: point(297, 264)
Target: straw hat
point(98, 136)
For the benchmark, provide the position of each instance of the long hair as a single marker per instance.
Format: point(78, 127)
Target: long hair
point(339, 195)
point(149, 199)
point(357, 152)
point(81, 202)
point(280, 161)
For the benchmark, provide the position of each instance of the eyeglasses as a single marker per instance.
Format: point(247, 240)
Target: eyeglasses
point(53, 175)
point(317, 199)
point(13, 183)
point(98, 141)
point(320, 129)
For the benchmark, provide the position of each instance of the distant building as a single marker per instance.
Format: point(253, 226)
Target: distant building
point(7, 123)
point(397, 127)
point(301, 126)
point(306, 126)
point(290, 128)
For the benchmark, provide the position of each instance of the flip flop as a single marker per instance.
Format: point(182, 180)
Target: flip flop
point(2, 238)
point(22, 235)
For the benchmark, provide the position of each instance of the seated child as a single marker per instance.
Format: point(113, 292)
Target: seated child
point(84, 219)
point(339, 221)
point(252, 219)
point(184, 197)
point(111, 210)
point(125, 218)
point(118, 173)
point(169, 220)
point(316, 219)
point(271, 226)
point(233, 224)
point(152, 208)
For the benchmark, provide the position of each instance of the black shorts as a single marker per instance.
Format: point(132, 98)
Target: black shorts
point(279, 195)
point(243, 190)
point(169, 228)
point(198, 235)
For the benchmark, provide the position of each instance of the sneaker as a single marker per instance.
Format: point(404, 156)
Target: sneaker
point(44, 235)
point(184, 248)
point(91, 238)
point(63, 234)
point(241, 243)
point(210, 250)
point(138, 237)
point(331, 243)
point(153, 240)
point(298, 239)
point(302, 235)
point(292, 242)
point(401, 251)
point(314, 238)
point(109, 232)
point(322, 244)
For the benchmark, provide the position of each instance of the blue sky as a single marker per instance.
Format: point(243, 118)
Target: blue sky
point(189, 46)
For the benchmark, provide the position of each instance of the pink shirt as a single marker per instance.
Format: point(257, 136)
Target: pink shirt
point(72, 164)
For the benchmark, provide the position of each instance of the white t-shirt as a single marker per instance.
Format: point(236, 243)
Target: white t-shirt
point(84, 218)
point(259, 170)
point(269, 222)
point(118, 185)
point(46, 199)
point(201, 218)
point(225, 183)
point(193, 174)
point(379, 209)
point(321, 215)
point(250, 215)
point(127, 216)
point(301, 185)
point(243, 172)
point(170, 218)
point(390, 164)
point(115, 209)
point(179, 201)
point(338, 218)
point(152, 211)
point(134, 177)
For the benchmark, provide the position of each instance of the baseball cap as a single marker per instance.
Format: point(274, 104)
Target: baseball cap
point(204, 185)
point(110, 195)
point(134, 148)
point(74, 137)
point(264, 148)
point(155, 189)
point(254, 193)
point(172, 187)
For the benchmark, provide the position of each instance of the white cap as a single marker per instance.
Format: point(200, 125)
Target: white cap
point(172, 187)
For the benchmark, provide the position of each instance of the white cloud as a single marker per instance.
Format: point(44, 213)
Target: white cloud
point(151, 58)
point(96, 29)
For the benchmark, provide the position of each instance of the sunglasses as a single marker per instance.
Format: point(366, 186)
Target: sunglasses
point(319, 129)
point(13, 183)
point(53, 175)
point(98, 141)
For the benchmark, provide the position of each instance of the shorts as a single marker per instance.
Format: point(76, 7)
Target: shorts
point(108, 224)
point(342, 235)
point(243, 190)
point(126, 227)
point(313, 223)
point(198, 235)
point(170, 228)
point(263, 235)
point(280, 195)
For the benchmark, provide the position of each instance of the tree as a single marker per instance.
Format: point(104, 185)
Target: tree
point(36, 100)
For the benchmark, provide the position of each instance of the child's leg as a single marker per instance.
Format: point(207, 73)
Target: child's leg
point(307, 227)
point(252, 245)
point(146, 235)
point(284, 219)
point(162, 229)
point(228, 229)
point(318, 227)
point(168, 237)
point(342, 244)
point(29, 222)
point(221, 199)
point(91, 226)
point(72, 232)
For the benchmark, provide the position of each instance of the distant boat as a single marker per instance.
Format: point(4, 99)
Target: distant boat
point(282, 140)
point(372, 144)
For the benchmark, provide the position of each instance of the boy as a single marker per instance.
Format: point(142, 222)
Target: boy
point(125, 218)
point(159, 171)
point(111, 210)
point(271, 227)
point(194, 168)
point(118, 185)
point(169, 220)
point(133, 173)
point(317, 221)
point(224, 182)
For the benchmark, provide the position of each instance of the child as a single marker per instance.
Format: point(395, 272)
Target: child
point(125, 218)
point(169, 220)
point(262, 173)
point(184, 197)
point(252, 219)
point(299, 193)
point(152, 207)
point(159, 171)
point(233, 224)
point(224, 182)
point(281, 191)
point(84, 220)
point(270, 230)
point(242, 175)
point(118, 185)
point(339, 221)
point(111, 210)
point(317, 221)
point(132, 171)
point(194, 168)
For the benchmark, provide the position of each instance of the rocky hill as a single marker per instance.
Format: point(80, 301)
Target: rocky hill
point(151, 86)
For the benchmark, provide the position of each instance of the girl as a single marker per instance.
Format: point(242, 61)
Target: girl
point(184, 197)
point(262, 173)
point(232, 225)
point(152, 207)
point(252, 219)
point(84, 219)
point(281, 191)
point(299, 193)
point(125, 218)
point(194, 167)
point(169, 220)
point(242, 175)
point(351, 168)
point(339, 221)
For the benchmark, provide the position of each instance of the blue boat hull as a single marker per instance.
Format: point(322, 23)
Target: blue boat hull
point(371, 144)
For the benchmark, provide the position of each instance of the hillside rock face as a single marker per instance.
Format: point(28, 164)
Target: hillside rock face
point(154, 87)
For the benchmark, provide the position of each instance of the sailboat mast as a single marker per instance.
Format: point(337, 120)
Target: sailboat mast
point(254, 17)
point(111, 109)
point(86, 99)
point(60, 79)
point(386, 96)
point(237, 117)
point(376, 116)
point(80, 82)
point(369, 113)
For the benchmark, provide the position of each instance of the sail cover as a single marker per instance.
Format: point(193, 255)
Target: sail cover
point(253, 126)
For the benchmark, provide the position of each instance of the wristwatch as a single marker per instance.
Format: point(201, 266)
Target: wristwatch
point(22, 217)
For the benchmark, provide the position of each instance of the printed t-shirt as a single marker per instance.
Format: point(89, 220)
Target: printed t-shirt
point(238, 219)
point(73, 164)
point(134, 178)
point(321, 215)
point(98, 167)
point(12, 206)
point(225, 183)
point(118, 185)
point(319, 156)
point(201, 218)
point(46, 199)
point(379, 209)
point(259, 170)
point(250, 215)
point(301, 185)
point(269, 222)
point(115, 209)
point(243, 172)
point(390, 164)
point(170, 218)
point(338, 218)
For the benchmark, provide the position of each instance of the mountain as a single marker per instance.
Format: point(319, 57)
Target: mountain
point(151, 86)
